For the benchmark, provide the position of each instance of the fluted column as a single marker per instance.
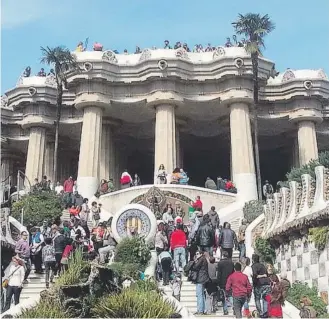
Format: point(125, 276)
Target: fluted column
point(90, 149)
point(243, 166)
point(307, 142)
point(35, 154)
point(107, 163)
point(165, 140)
point(49, 161)
point(6, 169)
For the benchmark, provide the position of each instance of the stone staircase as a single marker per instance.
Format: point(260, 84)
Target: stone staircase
point(36, 284)
point(66, 216)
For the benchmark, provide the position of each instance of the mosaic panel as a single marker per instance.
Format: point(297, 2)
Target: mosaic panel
point(307, 273)
point(299, 261)
point(314, 257)
point(288, 264)
point(322, 269)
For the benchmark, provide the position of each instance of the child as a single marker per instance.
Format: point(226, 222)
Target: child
point(274, 302)
point(176, 286)
point(66, 253)
point(49, 260)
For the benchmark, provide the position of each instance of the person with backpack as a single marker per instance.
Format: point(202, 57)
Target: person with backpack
point(49, 260)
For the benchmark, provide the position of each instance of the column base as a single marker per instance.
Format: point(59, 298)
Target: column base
point(87, 186)
point(246, 186)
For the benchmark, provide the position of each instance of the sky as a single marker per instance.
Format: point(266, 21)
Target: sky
point(300, 40)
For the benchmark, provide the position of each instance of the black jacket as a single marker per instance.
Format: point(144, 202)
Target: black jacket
point(59, 244)
point(205, 236)
point(225, 268)
point(259, 269)
point(201, 267)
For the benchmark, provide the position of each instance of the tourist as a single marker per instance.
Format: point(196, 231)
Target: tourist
point(211, 285)
point(261, 284)
point(59, 188)
point(27, 72)
point(178, 243)
point(183, 180)
point(179, 209)
point(126, 180)
point(67, 253)
point(80, 47)
point(193, 247)
point(97, 46)
point(45, 229)
point(74, 211)
point(23, 250)
point(75, 187)
point(109, 243)
point(138, 50)
point(68, 190)
point(84, 213)
point(268, 190)
point(205, 236)
point(44, 185)
point(168, 215)
point(161, 175)
point(49, 260)
point(200, 270)
point(241, 239)
point(161, 241)
point(77, 199)
point(210, 184)
point(229, 186)
point(51, 73)
point(111, 187)
point(208, 48)
point(176, 286)
point(228, 239)
point(59, 242)
point(42, 72)
point(225, 268)
point(166, 45)
point(97, 236)
point(175, 176)
point(125, 51)
point(103, 188)
point(14, 278)
point(165, 261)
point(241, 289)
point(221, 184)
point(95, 212)
point(37, 242)
point(213, 217)
point(197, 203)
point(186, 48)
point(248, 272)
point(275, 301)
point(285, 283)
point(228, 43)
point(137, 180)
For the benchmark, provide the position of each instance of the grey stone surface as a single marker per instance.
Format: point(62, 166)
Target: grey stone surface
point(314, 257)
point(315, 283)
point(293, 249)
point(322, 269)
point(299, 261)
point(307, 273)
point(305, 247)
point(294, 275)
point(288, 264)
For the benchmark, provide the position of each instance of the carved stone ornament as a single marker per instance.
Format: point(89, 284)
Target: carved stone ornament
point(155, 200)
point(51, 80)
point(182, 54)
point(308, 85)
point(4, 101)
point(239, 63)
point(32, 91)
point(162, 65)
point(145, 55)
point(218, 53)
point(87, 66)
point(288, 76)
point(110, 56)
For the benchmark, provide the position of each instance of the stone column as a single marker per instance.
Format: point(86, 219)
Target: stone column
point(35, 154)
point(295, 153)
point(90, 150)
point(49, 161)
point(243, 166)
point(6, 169)
point(165, 140)
point(178, 148)
point(307, 142)
point(107, 162)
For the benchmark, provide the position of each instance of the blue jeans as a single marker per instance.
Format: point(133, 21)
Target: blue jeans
point(225, 306)
point(242, 250)
point(200, 298)
point(179, 255)
point(260, 294)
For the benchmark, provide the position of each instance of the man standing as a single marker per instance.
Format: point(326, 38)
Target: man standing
point(22, 248)
point(37, 242)
point(197, 203)
point(213, 216)
point(205, 237)
point(178, 242)
point(241, 289)
point(59, 242)
point(228, 239)
point(68, 189)
point(225, 268)
point(241, 239)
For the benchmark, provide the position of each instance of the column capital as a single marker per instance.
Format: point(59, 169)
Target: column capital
point(305, 114)
point(32, 121)
point(237, 96)
point(164, 98)
point(92, 100)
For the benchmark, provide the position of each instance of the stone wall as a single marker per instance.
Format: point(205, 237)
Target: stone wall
point(303, 262)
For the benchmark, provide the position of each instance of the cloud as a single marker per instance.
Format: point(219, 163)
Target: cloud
point(16, 13)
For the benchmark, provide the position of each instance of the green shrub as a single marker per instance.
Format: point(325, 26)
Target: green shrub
point(299, 289)
point(319, 236)
point(45, 309)
point(252, 210)
point(132, 303)
point(126, 269)
point(265, 251)
point(38, 206)
point(145, 285)
point(77, 271)
point(133, 251)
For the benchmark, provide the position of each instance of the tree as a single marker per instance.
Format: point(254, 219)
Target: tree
point(254, 27)
point(62, 60)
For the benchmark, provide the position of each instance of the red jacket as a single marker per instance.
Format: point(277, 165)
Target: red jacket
point(229, 185)
point(197, 204)
point(273, 310)
point(68, 186)
point(177, 239)
point(239, 283)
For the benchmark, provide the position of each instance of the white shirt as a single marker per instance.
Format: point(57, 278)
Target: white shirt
point(17, 278)
point(59, 189)
point(73, 230)
point(248, 272)
point(164, 254)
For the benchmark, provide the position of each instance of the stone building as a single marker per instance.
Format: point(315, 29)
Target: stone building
point(169, 107)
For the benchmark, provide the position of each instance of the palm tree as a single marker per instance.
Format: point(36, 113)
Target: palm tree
point(255, 27)
point(61, 59)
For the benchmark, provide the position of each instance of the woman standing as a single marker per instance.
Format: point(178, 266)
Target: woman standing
point(95, 211)
point(162, 175)
point(84, 214)
point(137, 180)
point(161, 241)
point(14, 276)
